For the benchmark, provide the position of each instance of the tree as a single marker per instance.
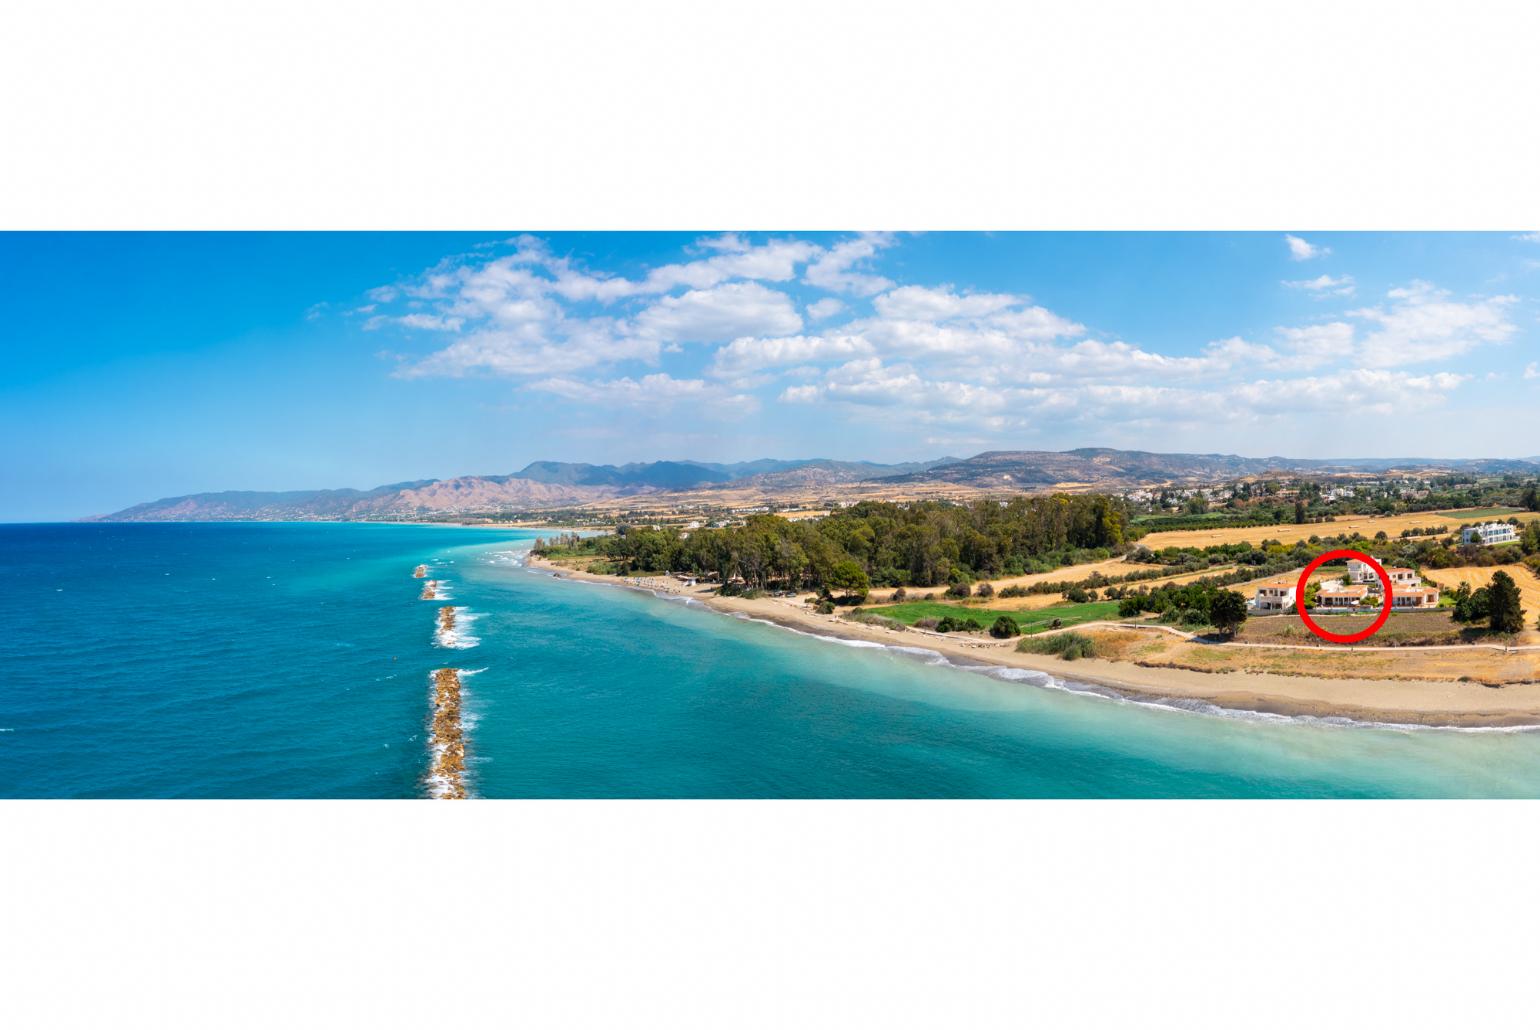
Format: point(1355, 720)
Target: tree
point(1529, 541)
point(1531, 498)
point(1299, 512)
point(1227, 611)
point(849, 578)
point(986, 590)
point(1506, 615)
point(1004, 627)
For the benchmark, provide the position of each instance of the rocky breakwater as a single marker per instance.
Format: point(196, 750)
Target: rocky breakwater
point(446, 738)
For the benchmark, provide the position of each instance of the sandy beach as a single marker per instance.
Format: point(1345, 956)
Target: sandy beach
point(1401, 701)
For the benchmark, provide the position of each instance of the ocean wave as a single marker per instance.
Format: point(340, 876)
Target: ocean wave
point(1183, 705)
point(452, 628)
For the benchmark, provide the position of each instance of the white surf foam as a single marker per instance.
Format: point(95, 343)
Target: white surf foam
point(460, 637)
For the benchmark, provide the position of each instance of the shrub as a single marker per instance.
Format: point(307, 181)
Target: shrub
point(1004, 627)
point(985, 590)
point(1068, 646)
point(898, 595)
point(959, 590)
point(927, 623)
point(872, 619)
point(1076, 595)
point(825, 608)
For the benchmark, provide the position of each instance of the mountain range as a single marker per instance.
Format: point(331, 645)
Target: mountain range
point(554, 484)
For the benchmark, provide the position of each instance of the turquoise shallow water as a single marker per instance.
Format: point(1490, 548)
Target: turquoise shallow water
point(293, 661)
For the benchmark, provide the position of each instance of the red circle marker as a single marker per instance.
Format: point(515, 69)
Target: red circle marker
point(1343, 638)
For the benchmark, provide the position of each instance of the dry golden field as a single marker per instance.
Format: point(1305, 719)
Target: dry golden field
point(1288, 533)
point(1111, 568)
point(1479, 576)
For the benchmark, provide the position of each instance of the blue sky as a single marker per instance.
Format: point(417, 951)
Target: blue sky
point(138, 366)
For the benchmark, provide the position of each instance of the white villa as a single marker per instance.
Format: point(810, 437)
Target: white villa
point(1361, 572)
point(1407, 590)
point(1489, 533)
point(1274, 596)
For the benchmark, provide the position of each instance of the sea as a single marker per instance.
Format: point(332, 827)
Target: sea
point(293, 660)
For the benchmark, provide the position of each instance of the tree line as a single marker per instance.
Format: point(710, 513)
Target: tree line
point(876, 543)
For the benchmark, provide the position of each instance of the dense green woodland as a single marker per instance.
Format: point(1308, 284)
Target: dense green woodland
point(933, 544)
point(924, 544)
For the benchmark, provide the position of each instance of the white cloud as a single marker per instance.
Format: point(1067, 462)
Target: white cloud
point(656, 393)
point(826, 308)
point(749, 354)
point(1324, 285)
point(971, 362)
point(1300, 250)
point(1314, 345)
point(732, 258)
point(720, 313)
point(1529, 237)
point(835, 269)
point(1424, 324)
point(1532, 370)
point(502, 352)
point(938, 305)
point(438, 323)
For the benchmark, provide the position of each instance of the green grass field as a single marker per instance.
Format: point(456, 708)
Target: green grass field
point(1035, 621)
point(1481, 513)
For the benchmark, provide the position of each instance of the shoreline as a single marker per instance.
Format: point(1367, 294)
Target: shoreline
point(1406, 703)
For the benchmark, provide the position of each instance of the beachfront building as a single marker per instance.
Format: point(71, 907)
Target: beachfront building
point(1414, 598)
point(1341, 597)
point(1489, 533)
point(1277, 596)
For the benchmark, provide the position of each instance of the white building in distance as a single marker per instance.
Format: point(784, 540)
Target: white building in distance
point(1489, 533)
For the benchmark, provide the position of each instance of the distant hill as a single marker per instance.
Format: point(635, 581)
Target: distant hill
point(540, 484)
point(555, 484)
point(1104, 467)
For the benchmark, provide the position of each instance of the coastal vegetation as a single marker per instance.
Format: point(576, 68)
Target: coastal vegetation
point(1201, 603)
point(923, 544)
point(932, 614)
point(1068, 646)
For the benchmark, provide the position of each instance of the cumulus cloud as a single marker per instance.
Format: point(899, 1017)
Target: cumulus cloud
point(836, 269)
point(937, 305)
point(1424, 324)
point(828, 307)
point(1302, 250)
point(1324, 285)
point(723, 312)
point(658, 393)
point(1532, 370)
point(736, 321)
point(749, 354)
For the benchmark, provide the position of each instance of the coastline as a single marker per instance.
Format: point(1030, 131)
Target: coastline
point(1410, 702)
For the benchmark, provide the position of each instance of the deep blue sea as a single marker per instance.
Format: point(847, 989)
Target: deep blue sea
point(293, 660)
